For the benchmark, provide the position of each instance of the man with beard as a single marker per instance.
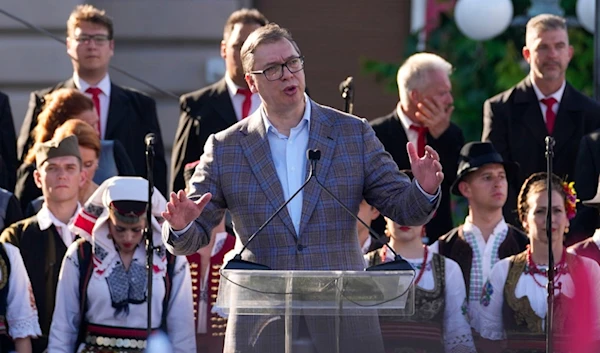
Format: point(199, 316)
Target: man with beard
point(518, 120)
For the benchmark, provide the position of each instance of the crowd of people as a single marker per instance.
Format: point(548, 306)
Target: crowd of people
point(74, 204)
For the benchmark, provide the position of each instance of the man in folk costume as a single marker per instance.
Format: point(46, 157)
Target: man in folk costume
point(43, 238)
point(102, 292)
point(485, 237)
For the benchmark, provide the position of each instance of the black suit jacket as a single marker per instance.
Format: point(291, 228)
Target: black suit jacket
point(391, 133)
point(8, 140)
point(587, 169)
point(131, 115)
point(513, 122)
point(203, 112)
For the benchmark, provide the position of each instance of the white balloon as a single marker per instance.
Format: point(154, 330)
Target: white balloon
point(483, 19)
point(585, 11)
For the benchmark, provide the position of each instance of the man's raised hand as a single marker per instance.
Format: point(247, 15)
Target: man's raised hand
point(181, 211)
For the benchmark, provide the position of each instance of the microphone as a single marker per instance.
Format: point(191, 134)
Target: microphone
point(149, 139)
point(346, 86)
point(237, 263)
point(399, 264)
point(347, 91)
point(550, 142)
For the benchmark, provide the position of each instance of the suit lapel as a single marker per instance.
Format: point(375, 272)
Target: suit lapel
point(399, 133)
point(532, 116)
point(67, 84)
point(116, 110)
point(223, 104)
point(567, 119)
point(258, 153)
point(322, 136)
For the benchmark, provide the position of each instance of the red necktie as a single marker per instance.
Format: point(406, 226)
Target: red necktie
point(422, 138)
point(247, 101)
point(550, 115)
point(95, 92)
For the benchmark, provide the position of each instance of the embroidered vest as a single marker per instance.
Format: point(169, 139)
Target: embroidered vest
point(521, 323)
point(216, 324)
point(421, 332)
point(454, 246)
point(86, 266)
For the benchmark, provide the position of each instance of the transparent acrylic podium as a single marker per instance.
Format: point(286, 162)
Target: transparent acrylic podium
point(316, 293)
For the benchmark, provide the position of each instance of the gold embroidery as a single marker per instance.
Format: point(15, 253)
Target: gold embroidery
point(4, 273)
point(521, 307)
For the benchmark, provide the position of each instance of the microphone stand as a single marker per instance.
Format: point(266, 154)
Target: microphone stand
point(399, 264)
point(550, 286)
point(237, 263)
point(347, 91)
point(148, 229)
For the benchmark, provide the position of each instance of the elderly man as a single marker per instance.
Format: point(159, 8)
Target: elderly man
point(423, 117)
point(254, 166)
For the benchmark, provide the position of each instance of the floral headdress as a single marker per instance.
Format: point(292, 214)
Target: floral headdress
point(570, 199)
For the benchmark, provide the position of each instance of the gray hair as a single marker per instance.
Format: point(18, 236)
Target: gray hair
point(414, 72)
point(271, 33)
point(542, 23)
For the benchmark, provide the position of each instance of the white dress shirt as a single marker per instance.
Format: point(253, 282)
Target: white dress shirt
point(237, 100)
point(46, 219)
point(556, 95)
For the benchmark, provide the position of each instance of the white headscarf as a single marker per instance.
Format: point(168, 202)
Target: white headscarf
point(91, 223)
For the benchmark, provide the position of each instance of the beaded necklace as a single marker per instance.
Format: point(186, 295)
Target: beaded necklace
point(532, 269)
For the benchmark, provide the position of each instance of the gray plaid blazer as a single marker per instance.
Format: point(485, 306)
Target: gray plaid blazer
point(238, 170)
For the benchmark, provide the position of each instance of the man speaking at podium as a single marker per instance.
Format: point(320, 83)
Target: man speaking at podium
point(253, 167)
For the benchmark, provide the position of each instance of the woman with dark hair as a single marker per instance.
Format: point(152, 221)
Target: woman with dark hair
point(62, 105)
point(514, 300)
point(102, 293)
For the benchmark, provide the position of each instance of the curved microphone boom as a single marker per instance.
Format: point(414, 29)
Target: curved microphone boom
point(399, 264)
point(237, 263)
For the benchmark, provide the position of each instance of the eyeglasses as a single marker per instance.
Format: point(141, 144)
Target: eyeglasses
point(99, 39)
point(275, 72)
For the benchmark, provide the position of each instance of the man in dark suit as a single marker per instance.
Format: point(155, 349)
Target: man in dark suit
point(220, 105)
point(126, 115)
point(518, 120)
point(8, 144)
point(423, 118)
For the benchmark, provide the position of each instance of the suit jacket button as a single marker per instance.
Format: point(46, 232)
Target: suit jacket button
point(300, 247)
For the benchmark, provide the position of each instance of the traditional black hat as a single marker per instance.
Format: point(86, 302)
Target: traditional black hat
point(473, 156)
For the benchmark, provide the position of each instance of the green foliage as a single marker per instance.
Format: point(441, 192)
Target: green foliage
point(484, 69)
